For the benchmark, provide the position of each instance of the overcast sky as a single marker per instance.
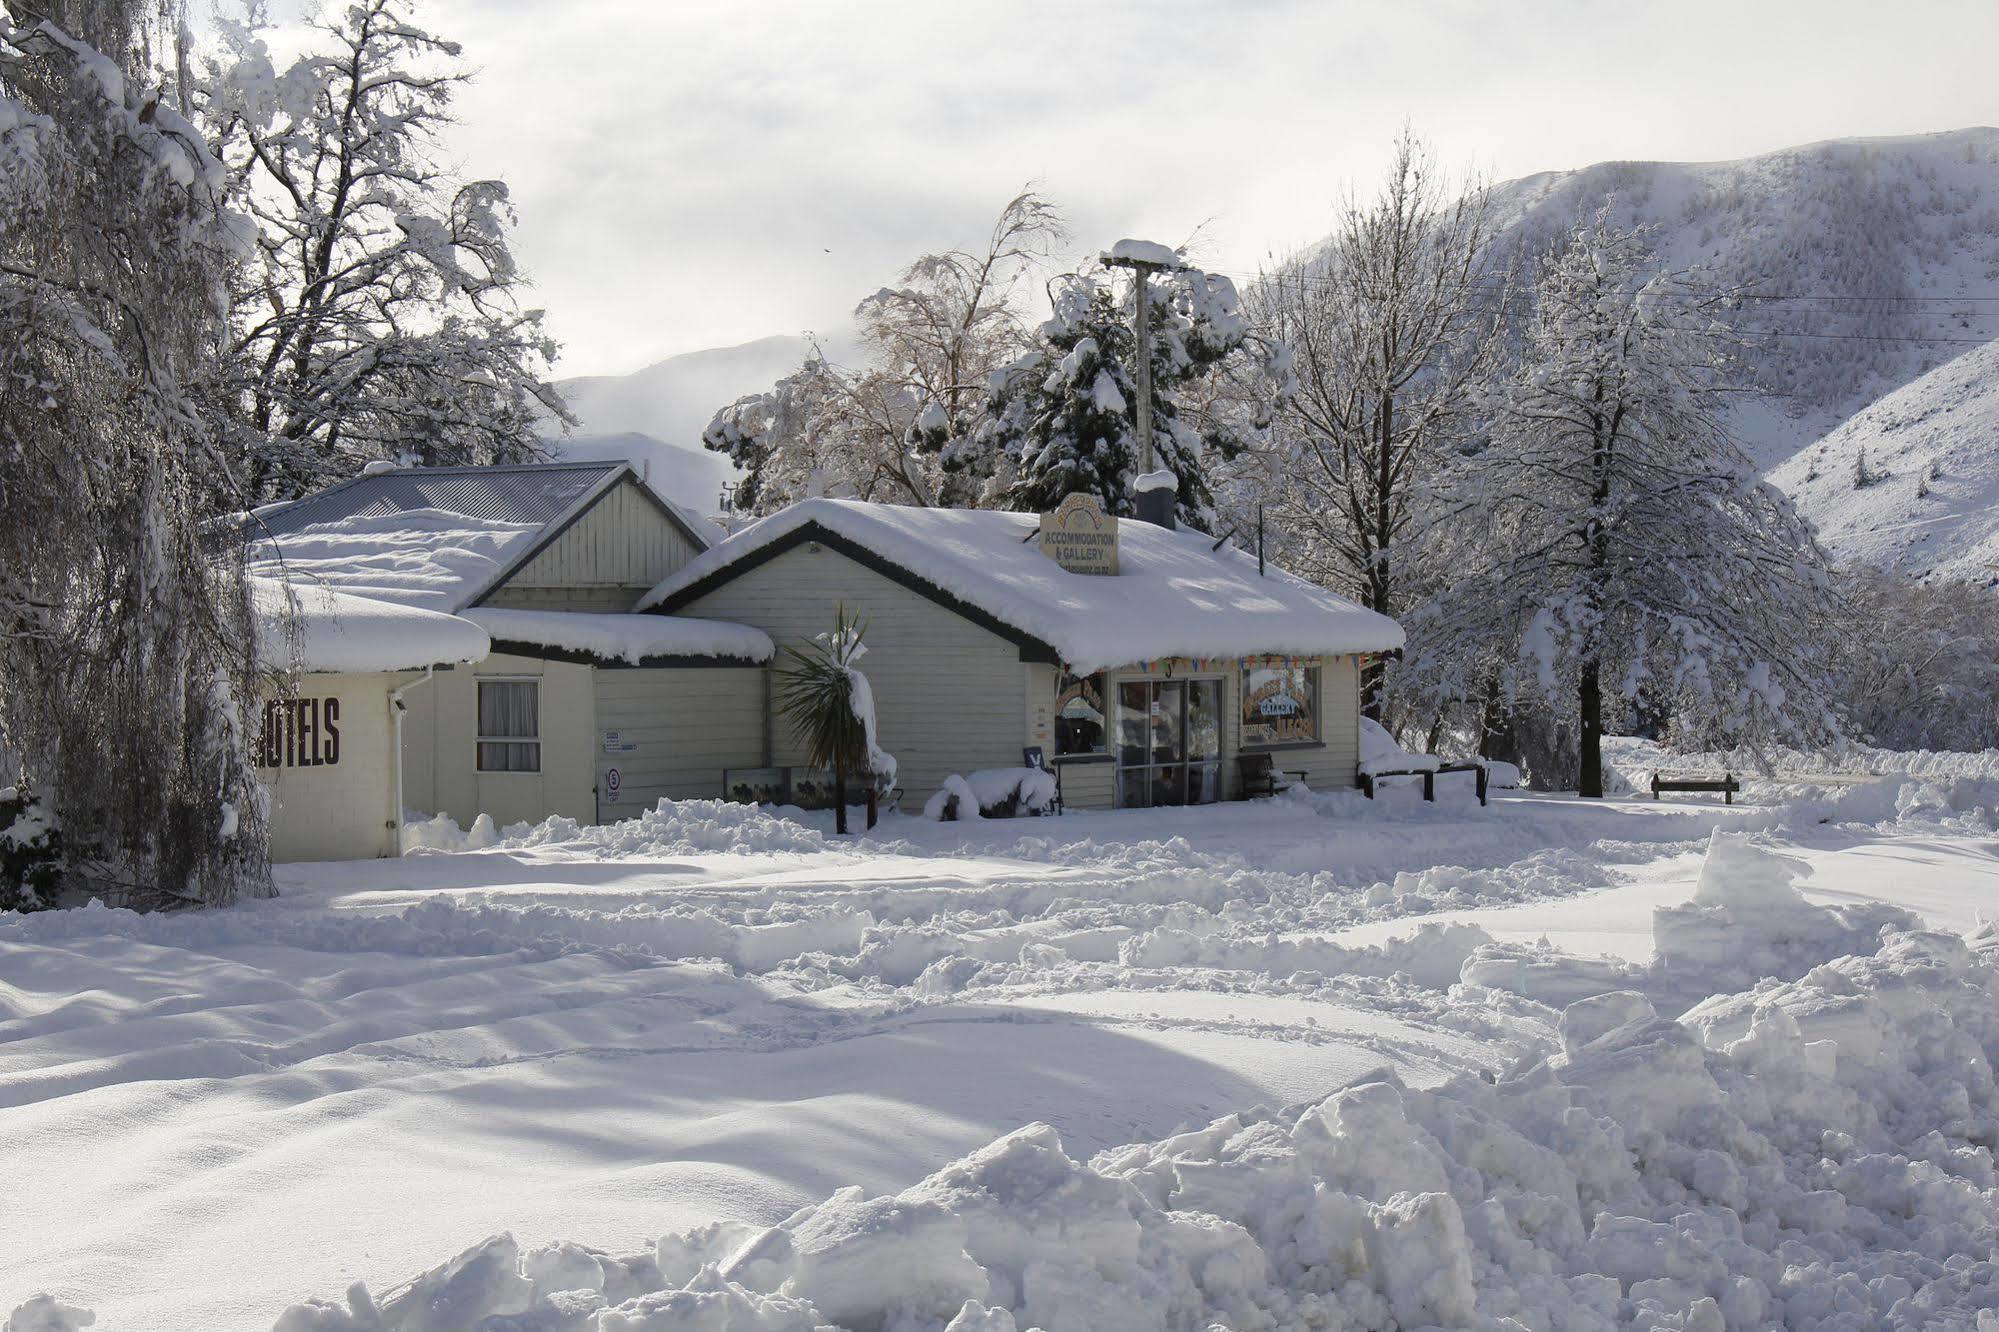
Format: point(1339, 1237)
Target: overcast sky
point(697, 173)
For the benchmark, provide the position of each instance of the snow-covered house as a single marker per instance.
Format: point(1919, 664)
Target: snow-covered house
point(495, 600)
point(557, 639)
point(985, 638)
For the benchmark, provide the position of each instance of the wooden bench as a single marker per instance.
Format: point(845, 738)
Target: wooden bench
point(1259, 775)
point(1429, 776)
point(1726, 784)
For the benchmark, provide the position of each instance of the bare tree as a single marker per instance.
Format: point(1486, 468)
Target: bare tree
point(126, 648)
point(931, 345)
point(381, 316)
point(1636, 566)
point(1392, 325)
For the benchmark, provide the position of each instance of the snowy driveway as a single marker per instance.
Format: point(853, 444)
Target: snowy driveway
point(206, 1117)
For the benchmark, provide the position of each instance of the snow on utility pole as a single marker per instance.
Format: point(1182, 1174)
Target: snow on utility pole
point(1143, 258)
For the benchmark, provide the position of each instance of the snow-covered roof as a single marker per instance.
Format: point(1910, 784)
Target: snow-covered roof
point(427, 558)
point(312, 628)
point(1175, 595)
point(621, 637)
point(439, 538)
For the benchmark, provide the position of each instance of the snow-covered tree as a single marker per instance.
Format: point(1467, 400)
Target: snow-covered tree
point(381, 314)
point(126, 649)
point(929, 346)
point(1919, 662)
point(1634, 560)
point(1393, 327)
point(1063, 418)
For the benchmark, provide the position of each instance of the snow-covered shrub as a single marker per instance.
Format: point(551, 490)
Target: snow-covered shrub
point(994, 793)
point(1919, 667)
point(30, 852)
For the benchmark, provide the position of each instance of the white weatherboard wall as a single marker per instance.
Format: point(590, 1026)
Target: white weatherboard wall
point(677, 729)
point(343, 810)
point(604, 561)
point(949, 695)
point(440, 737)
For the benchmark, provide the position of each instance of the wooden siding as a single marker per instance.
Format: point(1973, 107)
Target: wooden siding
point(440, 761)
point(576, 600)
point(688, 724)
point(624, 542)
point(949, 695)
point(344, 810)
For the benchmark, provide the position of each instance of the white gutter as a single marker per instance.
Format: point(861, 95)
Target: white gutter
point(396, 710)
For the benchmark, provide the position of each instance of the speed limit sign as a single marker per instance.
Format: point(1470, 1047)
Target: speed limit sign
point(613, 779)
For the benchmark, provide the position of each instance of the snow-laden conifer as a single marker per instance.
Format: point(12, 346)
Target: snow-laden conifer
point(1063, 418)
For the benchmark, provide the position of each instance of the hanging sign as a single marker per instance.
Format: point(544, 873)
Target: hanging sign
point(1080, 536)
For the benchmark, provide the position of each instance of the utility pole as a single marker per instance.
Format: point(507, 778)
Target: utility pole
point(1141, 323)
point(1143, 258)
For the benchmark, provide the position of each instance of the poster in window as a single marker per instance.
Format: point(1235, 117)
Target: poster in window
point(1280, 705)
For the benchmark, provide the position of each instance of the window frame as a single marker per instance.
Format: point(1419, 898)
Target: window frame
point(1315, 676)
point(480, 739)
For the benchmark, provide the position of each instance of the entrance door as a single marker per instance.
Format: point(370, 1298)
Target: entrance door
point(1169, 742)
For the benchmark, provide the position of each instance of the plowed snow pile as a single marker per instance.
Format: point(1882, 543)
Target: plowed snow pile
point(892, 1083)
point(1814, 1152)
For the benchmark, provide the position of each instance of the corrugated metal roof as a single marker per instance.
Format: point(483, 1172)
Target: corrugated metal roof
point(535, 494)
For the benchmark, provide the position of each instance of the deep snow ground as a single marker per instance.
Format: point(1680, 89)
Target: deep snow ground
point(708, 1014)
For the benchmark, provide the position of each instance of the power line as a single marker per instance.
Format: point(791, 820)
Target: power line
point(1486, 285)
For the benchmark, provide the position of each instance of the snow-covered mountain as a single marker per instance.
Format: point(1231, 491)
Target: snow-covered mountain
point(1912, 480)
point(1869, 262)
point(655, 416)
point(1854, 249)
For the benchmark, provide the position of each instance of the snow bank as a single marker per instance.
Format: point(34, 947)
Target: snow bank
point(1379, 752)
point(1811, 1154)
point(1027, 790)
point(1174, 595)
point(1635, 760)
point(45, 1313)
point(630, 638)
point(303, 626)
point(1745, 923)
point(671, 828)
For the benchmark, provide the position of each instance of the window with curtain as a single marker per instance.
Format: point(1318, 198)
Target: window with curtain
point(1280, 705)
point(509, 726)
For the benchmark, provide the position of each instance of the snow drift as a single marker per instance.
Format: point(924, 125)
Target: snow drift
point(1809, 1153)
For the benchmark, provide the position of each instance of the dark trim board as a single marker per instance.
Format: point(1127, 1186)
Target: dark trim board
point(536, 651)
point(1031, 648)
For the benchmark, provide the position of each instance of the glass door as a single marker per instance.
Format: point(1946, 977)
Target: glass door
point(1169, 742)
